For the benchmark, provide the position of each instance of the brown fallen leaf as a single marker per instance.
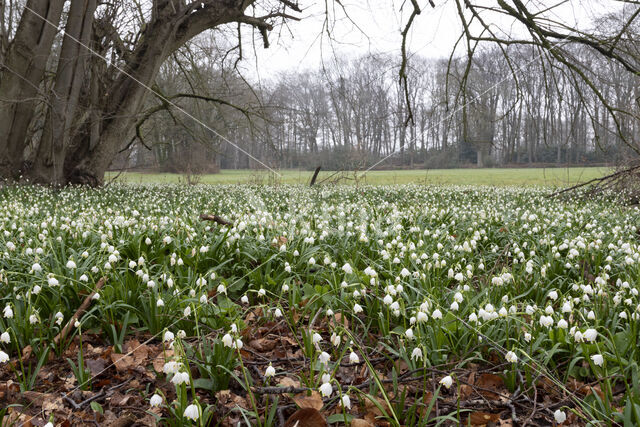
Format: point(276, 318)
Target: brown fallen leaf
point(314, 401)
point(482, 418)
point(493, 385)
point(122, 362)
point(161, 359)
point(288, 382)
point(263, 344)
point(359, 422)
point(306, 417)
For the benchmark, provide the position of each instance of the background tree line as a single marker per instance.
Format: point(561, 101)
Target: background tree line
point(354, 113)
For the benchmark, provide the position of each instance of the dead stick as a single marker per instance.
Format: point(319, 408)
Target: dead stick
point(79, 312)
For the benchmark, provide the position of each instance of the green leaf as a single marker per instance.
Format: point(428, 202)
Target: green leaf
point(96, 407)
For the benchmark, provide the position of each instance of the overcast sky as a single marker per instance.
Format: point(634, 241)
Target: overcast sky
point(374, 26)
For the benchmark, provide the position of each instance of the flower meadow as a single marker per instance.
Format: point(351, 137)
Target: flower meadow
point(406, 305)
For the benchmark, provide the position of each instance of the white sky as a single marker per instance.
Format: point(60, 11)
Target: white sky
point(376, 28)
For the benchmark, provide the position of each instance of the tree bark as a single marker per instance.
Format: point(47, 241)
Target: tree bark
point(48, 165)
point(20, 78)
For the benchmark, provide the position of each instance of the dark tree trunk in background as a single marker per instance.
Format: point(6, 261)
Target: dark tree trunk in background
point(48, 165)
point(20, 78)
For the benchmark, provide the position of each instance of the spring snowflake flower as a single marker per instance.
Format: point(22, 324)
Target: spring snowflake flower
point(5, 338)
point(416, 354)
point(180, 377)
point(346, 401)
point(168, 336)
point(326, 389)
point(559, 416)
point(324, 358)
point(187, 311)
point(159, 303)
point(598, 360)
point(546, 321)
point(562, 324)
point(49, 424)
point(553, 295)
point(261, 292)
point(387, 299)
point(36, 290)
point(203, 299)
point(166, 240)
point(511, 357)
point(590, 335)
point(53, 281)
point(270, 371)
point(353, 357)
point(171, 367)
point(192, 412)
point(357, 308)
point(277, 313)
point(437, 314)
point(244, 299)
point(227, 340)
point(84, 278)
point(316, 338)
point(33, 319)
point(4, 357)
point(222, 289)
point(409, 333)
point(36, 267)
point(71, 265)
point(446, 381)
point(156, 400)
point(347, 268)
point(59, 318)
point(335, 339)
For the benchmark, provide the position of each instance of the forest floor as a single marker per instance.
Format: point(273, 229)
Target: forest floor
point(554, 177)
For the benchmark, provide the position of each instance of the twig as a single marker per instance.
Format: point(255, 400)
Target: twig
point(79, 312)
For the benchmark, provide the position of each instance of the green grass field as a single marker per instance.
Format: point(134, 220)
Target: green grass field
point(554, 177)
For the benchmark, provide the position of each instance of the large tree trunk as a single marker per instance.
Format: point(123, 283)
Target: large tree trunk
point(20, 79)
point(48, 165)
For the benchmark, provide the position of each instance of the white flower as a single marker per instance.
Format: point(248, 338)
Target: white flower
point(147, 241)
point(49, 424)
point(171, 367)
point(71, 265)
point(409, 333)
point(181, 334)
point(159, 303)
point(156, 400)
point(227, 340)
point(346, 401)
point(324, 358)
point(437, 314)
point(446, 381)
point(244, 299)
point(33, 319)
point(180, 377)
point(353, 357)
point(560, 416)
point(357, 308)
point(416, 354)
point(53, 281)
point(59, 318)
point(277, 312)
point(562, 324)
point(590, 335)
point(36, 267)
point(4, 357)
point(203, 299)
point(511, 357)
point(168, 336)
point(262, 292)
point(598, 360)
point(84, 278)
point(316, 338)
point(546, 321)
point(553, 295)
point(270, 371)
point(192, 412)
point(187, 311)
point(387, 299)
point(326, 389)
point(5, 338)
point(222, 289)
point(36, 290)
point(347, 268)
point(166, 240)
